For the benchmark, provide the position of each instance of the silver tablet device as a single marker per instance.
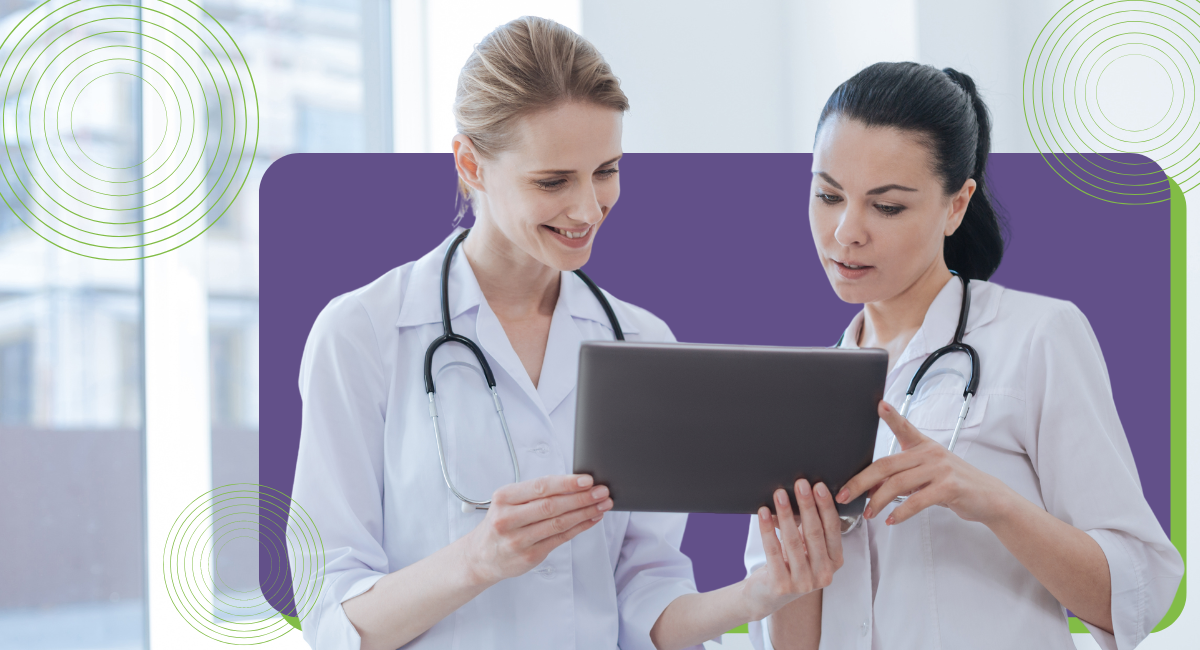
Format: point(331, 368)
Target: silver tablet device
point(686, 427)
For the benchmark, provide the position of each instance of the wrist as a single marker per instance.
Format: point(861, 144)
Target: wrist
point(1004, 509)
point(750, 607)
point(472, 573)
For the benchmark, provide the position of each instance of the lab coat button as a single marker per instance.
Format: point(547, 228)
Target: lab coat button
point(865, 627)
point(540, 449)
point(547, 571)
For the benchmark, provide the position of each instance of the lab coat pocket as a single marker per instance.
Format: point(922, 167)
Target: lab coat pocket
point(936, 415)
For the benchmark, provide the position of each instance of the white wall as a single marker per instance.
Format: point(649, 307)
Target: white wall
point(700, 77)
point(752, 76)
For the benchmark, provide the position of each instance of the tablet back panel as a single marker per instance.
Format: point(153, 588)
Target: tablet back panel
point(683, 427)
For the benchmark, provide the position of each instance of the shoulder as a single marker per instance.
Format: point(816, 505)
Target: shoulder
point(1046, 331)
point(649, 326)
point(1031, 312)
point(365, 310)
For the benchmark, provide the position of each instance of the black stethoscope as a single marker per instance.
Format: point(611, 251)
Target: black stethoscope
point(449, 335)
point(955, 345)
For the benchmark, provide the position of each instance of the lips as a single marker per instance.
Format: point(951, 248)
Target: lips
point(572, 234)
point(851, 269)
point(571, 237)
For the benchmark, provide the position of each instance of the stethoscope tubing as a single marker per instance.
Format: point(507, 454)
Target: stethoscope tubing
point(956, 345)
point(448, 336)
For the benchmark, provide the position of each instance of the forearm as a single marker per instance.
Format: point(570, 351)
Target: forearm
point(1065, 560)
point(692, 619)
point(797, 625)
point(405, 603)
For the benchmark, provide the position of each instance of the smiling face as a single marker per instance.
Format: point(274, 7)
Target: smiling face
point(549, 192)
point(878, 211)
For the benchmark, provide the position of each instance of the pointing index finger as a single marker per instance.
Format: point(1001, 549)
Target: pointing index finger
point(906, 434)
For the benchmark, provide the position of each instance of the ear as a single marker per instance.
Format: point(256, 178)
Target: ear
point(466, 160)
point(958, 206)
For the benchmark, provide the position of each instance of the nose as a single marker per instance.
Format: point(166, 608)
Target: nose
point(588, 208)
point(851, 230)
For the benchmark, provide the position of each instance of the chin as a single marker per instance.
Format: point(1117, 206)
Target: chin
point(849, 292)
point(569, 261)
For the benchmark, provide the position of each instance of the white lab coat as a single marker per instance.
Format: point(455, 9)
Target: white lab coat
point(1044, 422)
point(368, 471)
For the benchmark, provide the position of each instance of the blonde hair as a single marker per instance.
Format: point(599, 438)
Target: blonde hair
point(524, 66)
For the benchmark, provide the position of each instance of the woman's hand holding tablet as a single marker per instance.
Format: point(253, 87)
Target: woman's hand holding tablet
point(803, 557)
point(800, 561)
point(529, 519)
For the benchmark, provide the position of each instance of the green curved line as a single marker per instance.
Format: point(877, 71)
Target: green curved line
point(1070, 123)
point(75, 105)
point(182, 180)
point(233, 178)
point(1100, 107)
point(1030, 85)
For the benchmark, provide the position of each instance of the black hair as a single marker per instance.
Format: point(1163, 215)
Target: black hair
point(945, 110)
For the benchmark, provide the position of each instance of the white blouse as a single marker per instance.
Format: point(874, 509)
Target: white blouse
point(1044, 422)
point(369, 477)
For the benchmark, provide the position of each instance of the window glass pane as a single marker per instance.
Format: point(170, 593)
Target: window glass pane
point(308, 59)
point(71, 555)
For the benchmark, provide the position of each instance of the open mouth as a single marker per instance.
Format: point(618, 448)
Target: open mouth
point(570, 234)
point(851, 270)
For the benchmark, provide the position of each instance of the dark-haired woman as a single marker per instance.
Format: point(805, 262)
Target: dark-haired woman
point(1038, 509)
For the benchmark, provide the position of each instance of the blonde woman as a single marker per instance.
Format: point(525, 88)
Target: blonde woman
point(410, 560)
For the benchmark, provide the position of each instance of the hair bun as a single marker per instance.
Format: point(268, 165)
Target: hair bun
point(963, 79)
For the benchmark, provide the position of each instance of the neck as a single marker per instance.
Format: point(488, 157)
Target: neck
point(512, 281)
point(887, 323)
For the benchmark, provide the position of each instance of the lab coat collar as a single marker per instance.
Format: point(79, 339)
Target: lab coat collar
point(422, 305)
point(941, 318)
point(575, 301)
point(581, 303)
point(423, 296)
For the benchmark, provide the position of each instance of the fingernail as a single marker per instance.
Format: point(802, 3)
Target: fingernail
point(781, 497)
point(598, 518)
point(805, 490)
point(843, 495)
point(890, 520)
point(764, 513)
point(821, 491)
point(584, 481)
point(604, 506)
point(887, 408)
point(867, 512)
point(600, 492)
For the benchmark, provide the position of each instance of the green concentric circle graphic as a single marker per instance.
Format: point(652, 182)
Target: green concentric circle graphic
point(69, 170)
point(1072, 122)
point(240, 514)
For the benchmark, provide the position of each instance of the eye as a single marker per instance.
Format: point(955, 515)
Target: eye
point(607, 173)
point(829, 198)
point(551, 185)
point(889, 210)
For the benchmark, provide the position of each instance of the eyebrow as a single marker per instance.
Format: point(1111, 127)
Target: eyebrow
point(572, 171)
point(878, 190)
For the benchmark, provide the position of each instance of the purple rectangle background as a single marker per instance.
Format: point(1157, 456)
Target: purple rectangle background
point(718, 246)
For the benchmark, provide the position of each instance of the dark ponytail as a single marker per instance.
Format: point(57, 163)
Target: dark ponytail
point(945, 108)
